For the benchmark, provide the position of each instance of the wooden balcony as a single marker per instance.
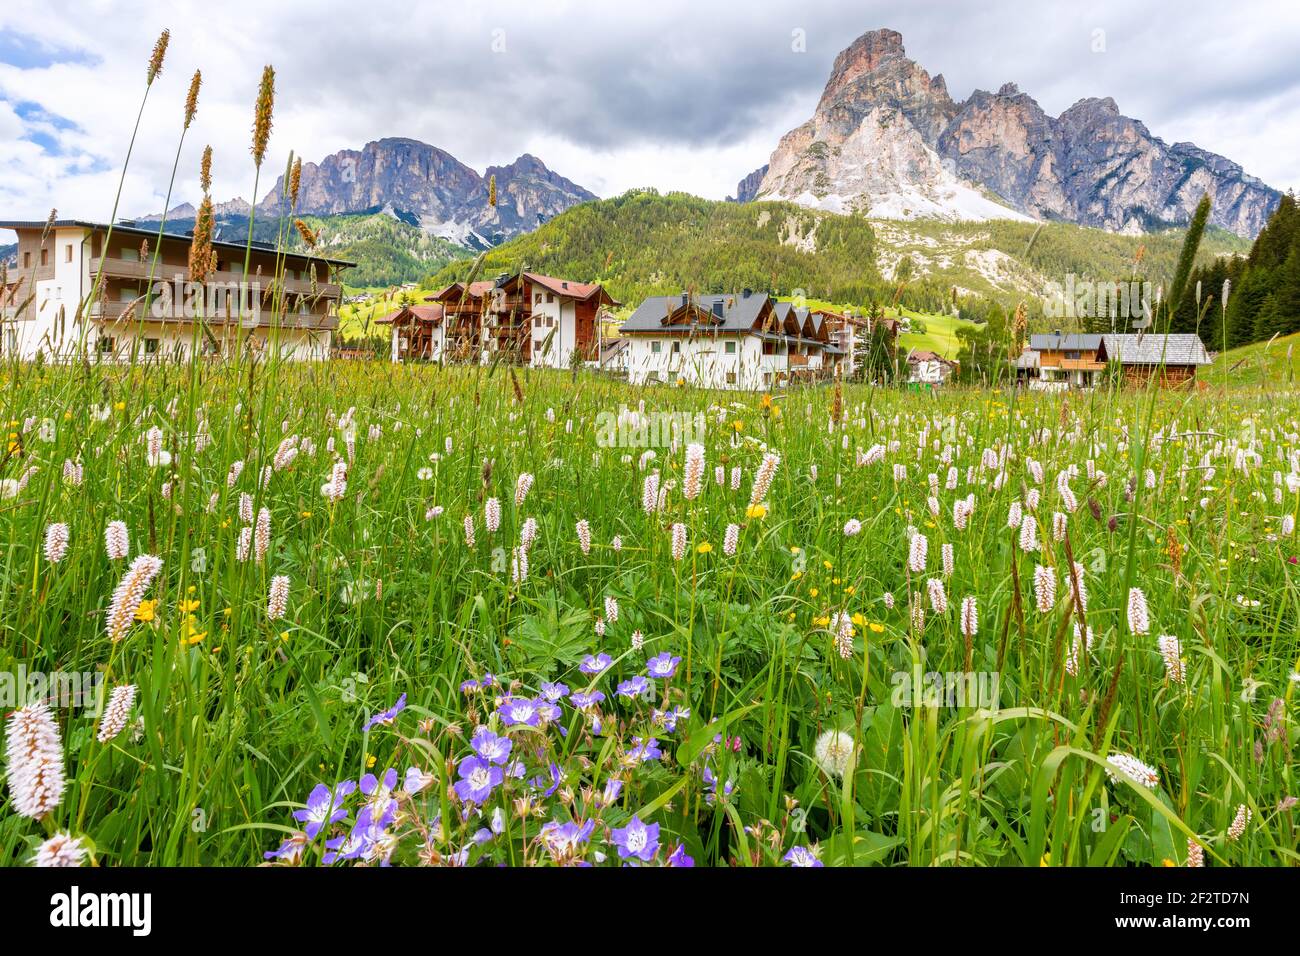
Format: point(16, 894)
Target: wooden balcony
point(166, 272)
point(133, 312)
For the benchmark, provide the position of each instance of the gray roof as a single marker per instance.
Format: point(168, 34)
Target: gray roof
point(1055, 341)
point(1185, 349)
point(739, 312)
point(132, 229)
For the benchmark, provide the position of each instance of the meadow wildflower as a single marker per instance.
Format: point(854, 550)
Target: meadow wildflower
point(833, 750)
point(116, 712)
point(129, 593)
point(117, 540)
point(62, 849)
point(56, 542)
point(34, 760)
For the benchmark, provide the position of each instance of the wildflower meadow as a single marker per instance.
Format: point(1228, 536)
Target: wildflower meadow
point(354, 613)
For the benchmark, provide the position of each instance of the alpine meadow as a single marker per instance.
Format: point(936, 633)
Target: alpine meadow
point(747, 543)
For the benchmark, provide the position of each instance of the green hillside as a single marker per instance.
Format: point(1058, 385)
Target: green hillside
point(643, 243)
point(1275, 362)
point(387, 250)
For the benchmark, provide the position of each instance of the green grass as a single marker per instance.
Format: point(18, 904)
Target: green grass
point(357, 321)
point(940, 334)
point(1269, 363)
point(238, 716)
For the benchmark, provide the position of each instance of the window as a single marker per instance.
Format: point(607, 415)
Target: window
point(45, 257)
point(150, 346)
point(107, 344)
point(677, 348)
point(537, 298)
point(731, 378)
point(731, 348)
point(129, 255)
point(67, 257)
point(27, 260)
point(550, 297)
point(655, 347)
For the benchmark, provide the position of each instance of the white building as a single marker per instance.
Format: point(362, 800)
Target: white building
point(928, 368)
point(534, 319)
point(123, 295)
point(746, 340)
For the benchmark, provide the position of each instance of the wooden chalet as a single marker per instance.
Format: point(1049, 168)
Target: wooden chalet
point(525, 317)
point(417, 333)
point(1054, 361)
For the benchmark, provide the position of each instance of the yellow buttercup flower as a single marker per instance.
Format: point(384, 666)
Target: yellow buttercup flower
point(146, 611)
point(755, 511)
point(704, 547)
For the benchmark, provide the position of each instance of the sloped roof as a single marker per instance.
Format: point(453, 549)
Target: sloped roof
point(1056, 342)
point(421, 313)
point(457, 289)
point(1174, 349)
point(739, 311)
point(569, 289)
point(130, 228)
point(925, 355)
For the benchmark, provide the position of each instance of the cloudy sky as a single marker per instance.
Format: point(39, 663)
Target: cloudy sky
point(676, 94)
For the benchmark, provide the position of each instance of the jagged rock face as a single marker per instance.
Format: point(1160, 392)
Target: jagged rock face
point(448, 197)
point(884, 124)
point(528, 194)
point(748, 187)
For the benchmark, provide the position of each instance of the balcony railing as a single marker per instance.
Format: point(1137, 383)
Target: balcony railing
point(166, 272)
point(134, 312)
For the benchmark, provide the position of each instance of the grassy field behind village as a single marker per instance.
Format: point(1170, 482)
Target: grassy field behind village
point(531, 618)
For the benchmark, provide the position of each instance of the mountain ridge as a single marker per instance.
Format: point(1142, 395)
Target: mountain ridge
point(886, 138)
point(419, 183)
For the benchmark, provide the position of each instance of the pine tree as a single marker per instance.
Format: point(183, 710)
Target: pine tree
point(1187, 258)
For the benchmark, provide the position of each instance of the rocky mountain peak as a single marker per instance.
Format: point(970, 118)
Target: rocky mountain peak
point(888, 138)
point(863, 55)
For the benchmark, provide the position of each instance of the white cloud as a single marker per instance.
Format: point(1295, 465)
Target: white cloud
point(675, 94)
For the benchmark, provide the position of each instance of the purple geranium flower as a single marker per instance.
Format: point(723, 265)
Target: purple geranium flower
point(801, 856)
point(583, 699)
point(637, 840)
point(663, 665)
point(387, 716)
point(490, 746)
point(634, 687)
point(594, 664)
point(547, 711)
point(641, 752)
point(324, 807)
point(564, 839)
point(554, 692)
point(367, 840)
point(478, 778)
point(520, 710)
point(379, 791)
point(668, 719)
point(679, 857)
